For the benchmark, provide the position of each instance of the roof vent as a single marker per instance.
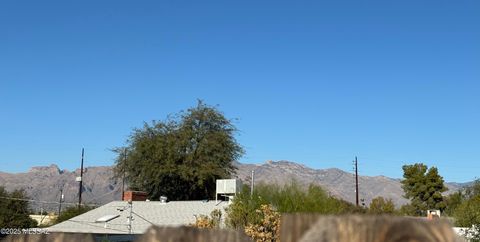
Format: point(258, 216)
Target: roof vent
point(163, 199)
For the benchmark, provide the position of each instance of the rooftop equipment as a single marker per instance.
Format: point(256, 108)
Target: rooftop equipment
point(107, 218)
point(227, 188)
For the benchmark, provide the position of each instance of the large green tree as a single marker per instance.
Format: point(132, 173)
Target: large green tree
point(14, 212)
point(182, 156)
point(423, 187)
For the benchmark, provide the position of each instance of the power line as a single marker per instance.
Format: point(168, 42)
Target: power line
point(142, 218)
point(103, 195)
point(95, 225)
point(43, 202)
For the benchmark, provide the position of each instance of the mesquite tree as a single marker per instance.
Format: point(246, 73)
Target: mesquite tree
point(182, 156)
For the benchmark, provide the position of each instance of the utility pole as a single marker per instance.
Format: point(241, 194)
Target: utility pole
point(60, 202)
point(123, 178)
point(80, 182)
point(252, 184)
point(356, 182)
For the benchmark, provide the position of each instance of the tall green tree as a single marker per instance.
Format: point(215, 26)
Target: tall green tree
point(14, 212)
point(423, 187)
point(182, 156)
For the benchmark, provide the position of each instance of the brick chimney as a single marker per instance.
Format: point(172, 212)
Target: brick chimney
point(134, 196)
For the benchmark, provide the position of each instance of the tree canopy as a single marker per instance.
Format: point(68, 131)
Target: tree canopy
point(14, 212)
point(423, 187)
point(182, 156)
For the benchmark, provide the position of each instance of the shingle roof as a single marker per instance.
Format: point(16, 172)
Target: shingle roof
point(175, 213)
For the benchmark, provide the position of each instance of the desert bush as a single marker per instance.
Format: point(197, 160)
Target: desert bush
point(268, 230)
point(290, 198)
point(209, 222)
point(380, 205)
point(71, 212)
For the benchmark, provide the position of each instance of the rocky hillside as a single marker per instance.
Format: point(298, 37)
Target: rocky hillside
point(339, 183)
point(44, 183)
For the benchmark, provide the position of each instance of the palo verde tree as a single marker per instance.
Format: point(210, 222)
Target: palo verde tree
point(423, 187)
point(182, 156)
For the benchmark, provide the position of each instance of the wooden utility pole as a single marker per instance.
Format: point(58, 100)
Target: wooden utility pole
point(60, 202)
point(356, 182)
point(252, 184)
point(80, 186)
point(123, 178)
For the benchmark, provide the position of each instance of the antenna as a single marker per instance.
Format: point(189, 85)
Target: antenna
point(79, 179)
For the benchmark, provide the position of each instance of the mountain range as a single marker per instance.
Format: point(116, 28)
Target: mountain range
point(99, 187)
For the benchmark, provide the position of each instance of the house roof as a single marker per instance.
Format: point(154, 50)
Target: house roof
point(145, 214)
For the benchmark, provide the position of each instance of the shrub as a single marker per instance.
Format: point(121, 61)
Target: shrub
point(211, 222)
point(72, 212)
point(380, 205)
point(291, 198)
point(268, 230)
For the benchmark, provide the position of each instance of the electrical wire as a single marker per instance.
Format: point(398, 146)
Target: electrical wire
point(97, 197)
point(44, 202)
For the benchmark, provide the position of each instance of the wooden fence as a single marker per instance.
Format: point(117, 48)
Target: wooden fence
point(295, 227)
point(355, 228)
point(184, 234)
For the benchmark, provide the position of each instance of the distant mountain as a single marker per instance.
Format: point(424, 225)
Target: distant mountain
point(337, 182)
point(44, 183)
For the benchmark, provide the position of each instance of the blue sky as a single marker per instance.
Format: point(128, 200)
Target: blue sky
point(316, 82)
